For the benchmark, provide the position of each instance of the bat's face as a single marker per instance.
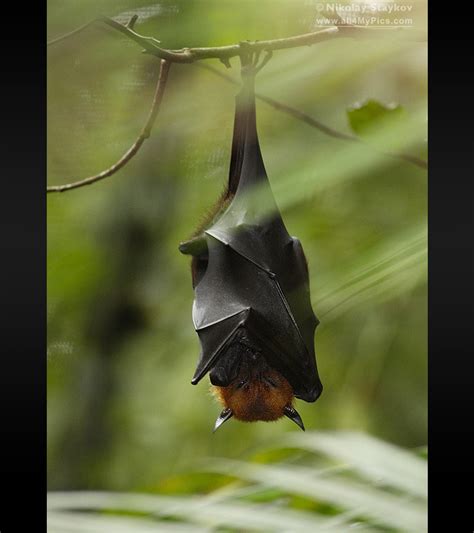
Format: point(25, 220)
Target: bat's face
point(257, 393)
point(250, 389)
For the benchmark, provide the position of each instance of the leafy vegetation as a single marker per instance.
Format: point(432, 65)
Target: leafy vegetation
point(327, 482)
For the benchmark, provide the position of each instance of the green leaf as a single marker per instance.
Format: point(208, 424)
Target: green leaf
point(380, 462)
point(200, 510)
point(364, 118)
point(81, 522)
point(390, 268)
point(378, 486)
point(365, 500)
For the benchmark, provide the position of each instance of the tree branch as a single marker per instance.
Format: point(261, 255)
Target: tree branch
point(279, 106)
point(224, 53)
point(145, 133)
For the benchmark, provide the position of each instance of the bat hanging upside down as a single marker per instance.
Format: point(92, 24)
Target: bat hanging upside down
point(252, 308)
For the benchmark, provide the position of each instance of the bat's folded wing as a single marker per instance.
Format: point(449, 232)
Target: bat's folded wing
point(216, 340)
point(235, 295)
point(255, 290)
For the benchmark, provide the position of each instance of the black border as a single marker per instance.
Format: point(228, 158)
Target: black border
point(451, 273)
point(23, 309)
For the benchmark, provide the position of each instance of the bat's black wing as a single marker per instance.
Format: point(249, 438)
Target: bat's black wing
point(255, 287)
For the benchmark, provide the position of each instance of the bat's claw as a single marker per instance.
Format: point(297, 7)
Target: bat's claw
point(223, 417)
point(293, 415)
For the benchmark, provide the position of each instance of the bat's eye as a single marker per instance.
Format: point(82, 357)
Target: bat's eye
point(241, 384)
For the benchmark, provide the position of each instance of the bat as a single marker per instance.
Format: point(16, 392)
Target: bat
point(252, 309)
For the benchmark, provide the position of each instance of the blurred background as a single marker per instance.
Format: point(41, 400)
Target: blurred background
point(122, 414)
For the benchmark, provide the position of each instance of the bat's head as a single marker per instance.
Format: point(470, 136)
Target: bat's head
point(258, 392)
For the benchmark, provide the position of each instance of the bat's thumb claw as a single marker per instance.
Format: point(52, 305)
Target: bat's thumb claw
point(293, 414)
point(223, 417)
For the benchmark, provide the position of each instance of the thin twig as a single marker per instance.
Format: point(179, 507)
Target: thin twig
point(71, 33)
point(145, 133)
point(279, 106)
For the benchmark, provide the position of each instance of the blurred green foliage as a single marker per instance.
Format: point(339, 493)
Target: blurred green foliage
point(122, 414)
point(328, 482)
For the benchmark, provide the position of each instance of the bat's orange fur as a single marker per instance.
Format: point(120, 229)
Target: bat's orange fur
point(258, 399)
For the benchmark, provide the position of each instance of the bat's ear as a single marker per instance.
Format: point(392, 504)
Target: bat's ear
point(196, 246)
point(293, 414)
point(223, 417)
